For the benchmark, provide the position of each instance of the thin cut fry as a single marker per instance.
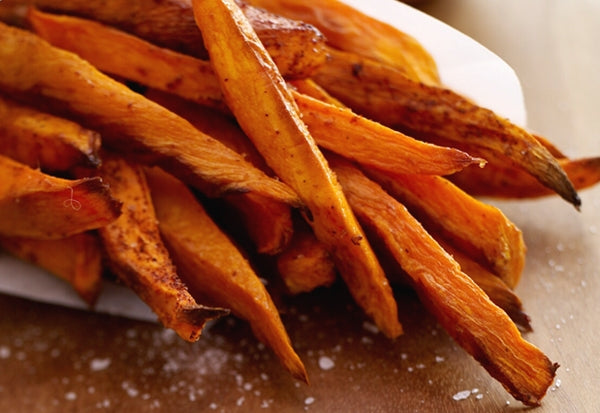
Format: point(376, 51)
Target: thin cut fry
point(41, 140)
point(37, 205)
point(462, 308)
point(505, 181)
point(214, 269)
point(137, 126)
point(137, 255)
point(249, 79)
point(479, 229)
point(76, 259)
point(347, 28)
point(438, 114)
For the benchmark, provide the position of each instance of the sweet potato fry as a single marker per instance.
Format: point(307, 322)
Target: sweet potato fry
point(127, 120)
point(213, 268)
point(505, 181)
point(334, 128)
point(267, 223)
point(296, 47)
point(349, 29)
point(37, 205)
point(306, 263)
point(76, 259)
point(42, 140)
point(461, 307)
point(137, 255)
point(480, 230)
point(492, 285)
point(438, 114)
point(249, 79)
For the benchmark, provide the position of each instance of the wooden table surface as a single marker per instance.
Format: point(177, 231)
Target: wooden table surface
point(54, 359)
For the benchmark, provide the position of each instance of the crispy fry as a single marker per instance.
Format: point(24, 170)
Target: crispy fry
point(506, 181)
point(127, 120)
point(39, 139)
point(310, 88)
point(347, 28)
point(479, 229)
point(296, 47)
point(137, 255)
point(214, 269)
point(493, 286)
point(435, 113)
point(249, 79)
point(76, 259)
point(37, 205)
point(334, 128)
point(462, 308)
point(305, 264)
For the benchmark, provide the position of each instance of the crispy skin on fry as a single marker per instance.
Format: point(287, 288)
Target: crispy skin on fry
point(505, 181)
point(462, 308)
point(135, 125)
point(249, 79)
point(347, 28)
point(479, 229)
point(438, 114)
point(37, 205)
point(306, 263)
point(334, 128)
point(374, 145)
point(76, 259)
point(137, 255)
point(41, 140)
point(214, 269)
point(492, 285)
point(296, 47)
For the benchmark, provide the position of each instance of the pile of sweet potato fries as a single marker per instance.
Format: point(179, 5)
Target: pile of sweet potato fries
point(325, 133)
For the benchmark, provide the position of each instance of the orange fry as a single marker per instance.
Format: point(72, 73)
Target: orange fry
point(505, 181)
point(137, 126)
point(42, 140)
point(439, 115)
point(479, 229)
point(214, 269)
point(462, 308)
point(347, 28)
point(37, 205)
point(137, 255)
point(249, 79)
point(76, 259)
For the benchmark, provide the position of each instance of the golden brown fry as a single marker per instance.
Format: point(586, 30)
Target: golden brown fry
point(296, 47)
point(492, 285)
point(461, 307)
point(42, 140)
point(480, 230)
point(334, 128)
point(438, 114)
point(135, 125)
point(37, 205)
point(76, 259)
point(267, 223)
point(347, 28)
point(305, 264)
point(310, 88)
point(506, 181)
point(214, 269)
point(137, 255)
point(374, 145)
point(249, 79)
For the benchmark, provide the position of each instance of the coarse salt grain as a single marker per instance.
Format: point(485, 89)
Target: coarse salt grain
point(309, 400)
point(98, 364)
point(462, 395)
point(326, 363)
